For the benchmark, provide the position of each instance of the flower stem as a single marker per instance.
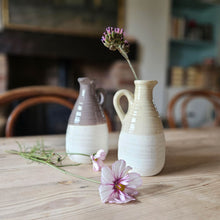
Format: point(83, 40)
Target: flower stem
point(24, 155)
point(71, 174)
point(81, 154)
point(124, 54)
point(132, 69)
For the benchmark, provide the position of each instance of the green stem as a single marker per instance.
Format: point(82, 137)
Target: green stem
point(71, 174)
point(87, 155)
point(132, 69)
point(69, 165)
point(124, 54)
point(54, 166)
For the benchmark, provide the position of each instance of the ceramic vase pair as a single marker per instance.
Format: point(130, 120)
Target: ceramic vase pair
point(141, 141)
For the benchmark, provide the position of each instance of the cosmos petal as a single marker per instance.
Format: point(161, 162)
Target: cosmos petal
point(96, 166)
point(134, 180)
point(100, 154)
point(126, 170)
point(125, 180)
point(105, 192)
point(106, 176)
point(118, 168)
point(130, 191)
point(122, 196)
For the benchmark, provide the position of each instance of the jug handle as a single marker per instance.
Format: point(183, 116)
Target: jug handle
point(116, 102)
point(100, 92)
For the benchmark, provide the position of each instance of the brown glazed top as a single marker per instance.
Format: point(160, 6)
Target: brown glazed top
point(87, 109)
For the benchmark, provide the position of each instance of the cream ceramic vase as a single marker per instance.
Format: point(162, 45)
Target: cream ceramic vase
point(141, 141)
point(87, 130)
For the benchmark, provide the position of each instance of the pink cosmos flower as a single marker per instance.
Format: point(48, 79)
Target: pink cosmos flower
point(117, 185)
point(97, 160)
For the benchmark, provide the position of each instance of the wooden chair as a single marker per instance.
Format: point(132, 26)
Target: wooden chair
point(189, 95)
point(35, 95)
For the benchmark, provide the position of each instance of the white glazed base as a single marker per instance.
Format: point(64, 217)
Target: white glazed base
point(145, 154)
point(87, 139)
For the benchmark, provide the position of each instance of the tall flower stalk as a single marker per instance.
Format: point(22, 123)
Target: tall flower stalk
point(114, 39)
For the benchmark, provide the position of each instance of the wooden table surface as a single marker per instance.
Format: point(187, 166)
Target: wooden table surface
point(187, 188)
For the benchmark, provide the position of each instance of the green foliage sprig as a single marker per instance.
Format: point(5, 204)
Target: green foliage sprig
point(42, 154)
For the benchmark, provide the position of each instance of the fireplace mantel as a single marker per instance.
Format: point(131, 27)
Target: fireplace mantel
point(27, 43)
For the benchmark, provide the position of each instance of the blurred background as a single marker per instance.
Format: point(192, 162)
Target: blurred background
point(53, 42)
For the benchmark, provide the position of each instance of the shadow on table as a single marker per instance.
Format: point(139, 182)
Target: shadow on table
point(112, 155)
point(179, 160)
point(154, 189)
point(186, 160)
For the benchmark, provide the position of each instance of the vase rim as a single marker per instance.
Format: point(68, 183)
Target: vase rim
point(145, 81)
point(85, 80)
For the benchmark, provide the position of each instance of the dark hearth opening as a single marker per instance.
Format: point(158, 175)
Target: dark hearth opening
point(34, 70)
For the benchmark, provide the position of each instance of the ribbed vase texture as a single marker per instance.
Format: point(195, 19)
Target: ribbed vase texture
point(141, 140)
point(87, 130)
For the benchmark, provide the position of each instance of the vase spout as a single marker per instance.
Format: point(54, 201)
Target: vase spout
point(84, 81)
point(146, 82)
point(144, 89)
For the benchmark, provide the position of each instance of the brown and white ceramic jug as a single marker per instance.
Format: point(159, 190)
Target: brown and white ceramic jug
point(141, 141)
point(87, 130)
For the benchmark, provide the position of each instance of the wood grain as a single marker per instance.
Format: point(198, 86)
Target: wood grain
point(187, 188)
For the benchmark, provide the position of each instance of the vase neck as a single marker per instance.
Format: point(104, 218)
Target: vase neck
point(87, 87)
point(143, 90)
point(86, 90)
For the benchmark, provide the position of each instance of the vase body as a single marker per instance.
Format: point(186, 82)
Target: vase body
point(141, 141)
point(87, 130)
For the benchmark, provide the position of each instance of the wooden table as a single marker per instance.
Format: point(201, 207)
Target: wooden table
point(187, 188)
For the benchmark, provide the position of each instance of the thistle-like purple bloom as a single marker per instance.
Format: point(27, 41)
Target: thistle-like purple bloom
point(113, 38)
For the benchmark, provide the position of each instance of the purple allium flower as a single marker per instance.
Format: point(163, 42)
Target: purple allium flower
point(117, 185)
point(113, 38)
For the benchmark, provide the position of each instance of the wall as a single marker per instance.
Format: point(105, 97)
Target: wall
point(189, 54)
point(1, 24)
point(218, 34)
point(148, 22)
